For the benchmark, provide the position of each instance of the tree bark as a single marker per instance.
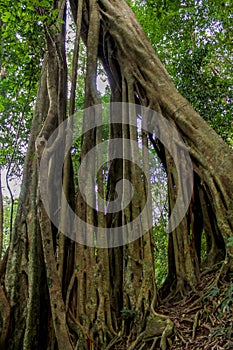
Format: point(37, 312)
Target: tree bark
point(64, 295)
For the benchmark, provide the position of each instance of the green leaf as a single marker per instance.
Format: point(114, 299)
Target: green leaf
point(230, 242)
point(230, 291)
point(59, 20)
point(213, 292)
point(6, 16)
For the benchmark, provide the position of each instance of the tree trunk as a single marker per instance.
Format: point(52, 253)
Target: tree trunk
point(65, 295)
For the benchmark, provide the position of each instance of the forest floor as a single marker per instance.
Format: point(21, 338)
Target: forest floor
point(203, 320)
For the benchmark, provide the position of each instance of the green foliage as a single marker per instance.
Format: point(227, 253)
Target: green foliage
point(213, 292)
point(225, 299)
point(21, 50)
point(203, 247)
point(230, 242)
point(21, 53)
point(161, 252)
point(227, 302)
point(194, 41)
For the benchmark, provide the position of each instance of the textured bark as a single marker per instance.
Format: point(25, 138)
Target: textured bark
point(64, 295)
point(24, 279)
point(5, 318)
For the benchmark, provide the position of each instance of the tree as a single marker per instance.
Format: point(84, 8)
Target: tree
point(58, 294)
point(192, 39)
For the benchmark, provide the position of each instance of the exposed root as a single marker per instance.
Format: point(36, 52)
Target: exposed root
point(157, 332)
point(203, 322)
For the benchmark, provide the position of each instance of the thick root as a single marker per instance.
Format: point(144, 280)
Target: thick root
point(157, 327)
